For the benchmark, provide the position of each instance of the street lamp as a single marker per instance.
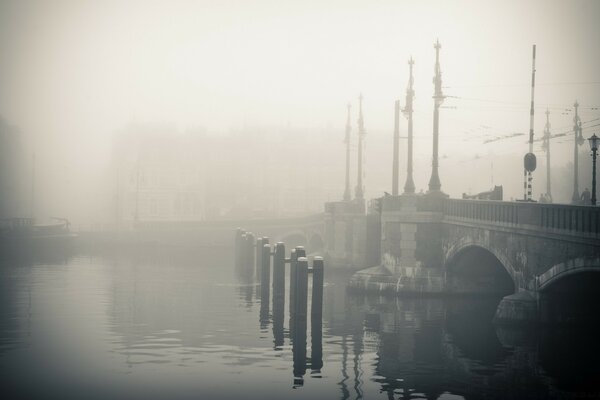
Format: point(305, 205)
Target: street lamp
point(594, 147)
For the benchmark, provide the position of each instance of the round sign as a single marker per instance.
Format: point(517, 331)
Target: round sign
point(529, 162)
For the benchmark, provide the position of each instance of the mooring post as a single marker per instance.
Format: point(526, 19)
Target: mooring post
point(259, 246)
point(265, 271)
point(299, 326)
point(293, 260)
point(241, 250)
point(301, 288)
point(278, 294)
point(265, 276)
point(299, 353)
point(316, 354)
point(316, 313)
point(249, 253)
point(279, 276)
point(295, 254)
point(238, 247)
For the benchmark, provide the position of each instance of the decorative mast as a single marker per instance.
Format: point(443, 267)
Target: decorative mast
point(546, 147)
point(438, 99)
point(396, 161)
point(409, 186)
point(529, 162)
point(578, 142)
point(361, 135)
point(347, 193)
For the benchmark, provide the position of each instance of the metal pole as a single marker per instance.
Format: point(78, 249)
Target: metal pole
point(395, 164)
point(438, 98)
point(347, 191)
point(529, 172)
point(594, 154)
point(578, 140)
point(361, 135)
point(546, 145)
point(409, 186)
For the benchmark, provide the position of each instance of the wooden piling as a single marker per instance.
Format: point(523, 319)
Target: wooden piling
point(316, 313)
point(316, 352)
point(278, 294)
point(299, 352)
point(265, 270)
point(301, 288)
point(279, 276)
point(293, 260)
point(299, 326)
point(259, 246)
point(238, 247)
point(249, 253)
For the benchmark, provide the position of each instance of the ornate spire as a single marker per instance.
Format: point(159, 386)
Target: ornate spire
point(409, 186)
point(546, 147)
point(347, 194)
point(438, 99)
point(361, 135)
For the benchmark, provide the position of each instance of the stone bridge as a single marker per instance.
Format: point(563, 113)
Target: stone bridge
point(532, 253)
point(305, 231)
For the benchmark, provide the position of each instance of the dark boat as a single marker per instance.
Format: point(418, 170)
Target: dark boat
point(27, 236)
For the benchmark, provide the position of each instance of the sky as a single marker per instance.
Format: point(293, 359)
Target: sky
point(74, 72)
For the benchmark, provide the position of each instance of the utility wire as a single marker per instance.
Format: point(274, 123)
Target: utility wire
point(523, 84)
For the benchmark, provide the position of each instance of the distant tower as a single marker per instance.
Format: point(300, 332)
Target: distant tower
point(361, 134)
point(546, 147)
point(578, 142)
point(409, 186)
point(347, 193)
point(438, 99)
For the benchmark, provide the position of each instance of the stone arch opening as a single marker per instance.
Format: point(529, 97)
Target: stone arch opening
point(294, 239)
point(572, 299)
point(315, 245)
point(476, 270)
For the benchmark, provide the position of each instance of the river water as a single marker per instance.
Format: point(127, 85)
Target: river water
point(165, 325)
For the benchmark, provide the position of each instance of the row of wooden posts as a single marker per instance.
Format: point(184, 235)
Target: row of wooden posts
point(251, 251)
point(246, 257)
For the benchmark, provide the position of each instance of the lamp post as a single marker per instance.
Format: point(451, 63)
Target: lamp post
point(594, 147)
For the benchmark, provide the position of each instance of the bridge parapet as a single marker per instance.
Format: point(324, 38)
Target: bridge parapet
point(557, 218)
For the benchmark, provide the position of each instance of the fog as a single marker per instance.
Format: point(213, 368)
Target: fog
point(243, 103)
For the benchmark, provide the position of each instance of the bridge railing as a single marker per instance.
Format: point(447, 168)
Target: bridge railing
point(563, 217)
point(573, 218)
point(483, 210)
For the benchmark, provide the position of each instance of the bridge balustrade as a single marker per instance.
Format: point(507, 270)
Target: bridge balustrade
point(575, 219)
point(492, 211)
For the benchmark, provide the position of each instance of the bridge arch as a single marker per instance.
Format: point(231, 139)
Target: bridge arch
point(568, 292)
point(316, 243)
point(294, 238)
point(476, 268)
point(457, 248)
point(567, 268)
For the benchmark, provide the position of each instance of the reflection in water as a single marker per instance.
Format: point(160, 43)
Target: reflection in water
point(316, 354)
point(153, 325)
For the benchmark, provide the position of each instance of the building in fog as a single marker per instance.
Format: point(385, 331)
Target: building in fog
point(162, 174)
point(15, 173)
point(157, 175)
